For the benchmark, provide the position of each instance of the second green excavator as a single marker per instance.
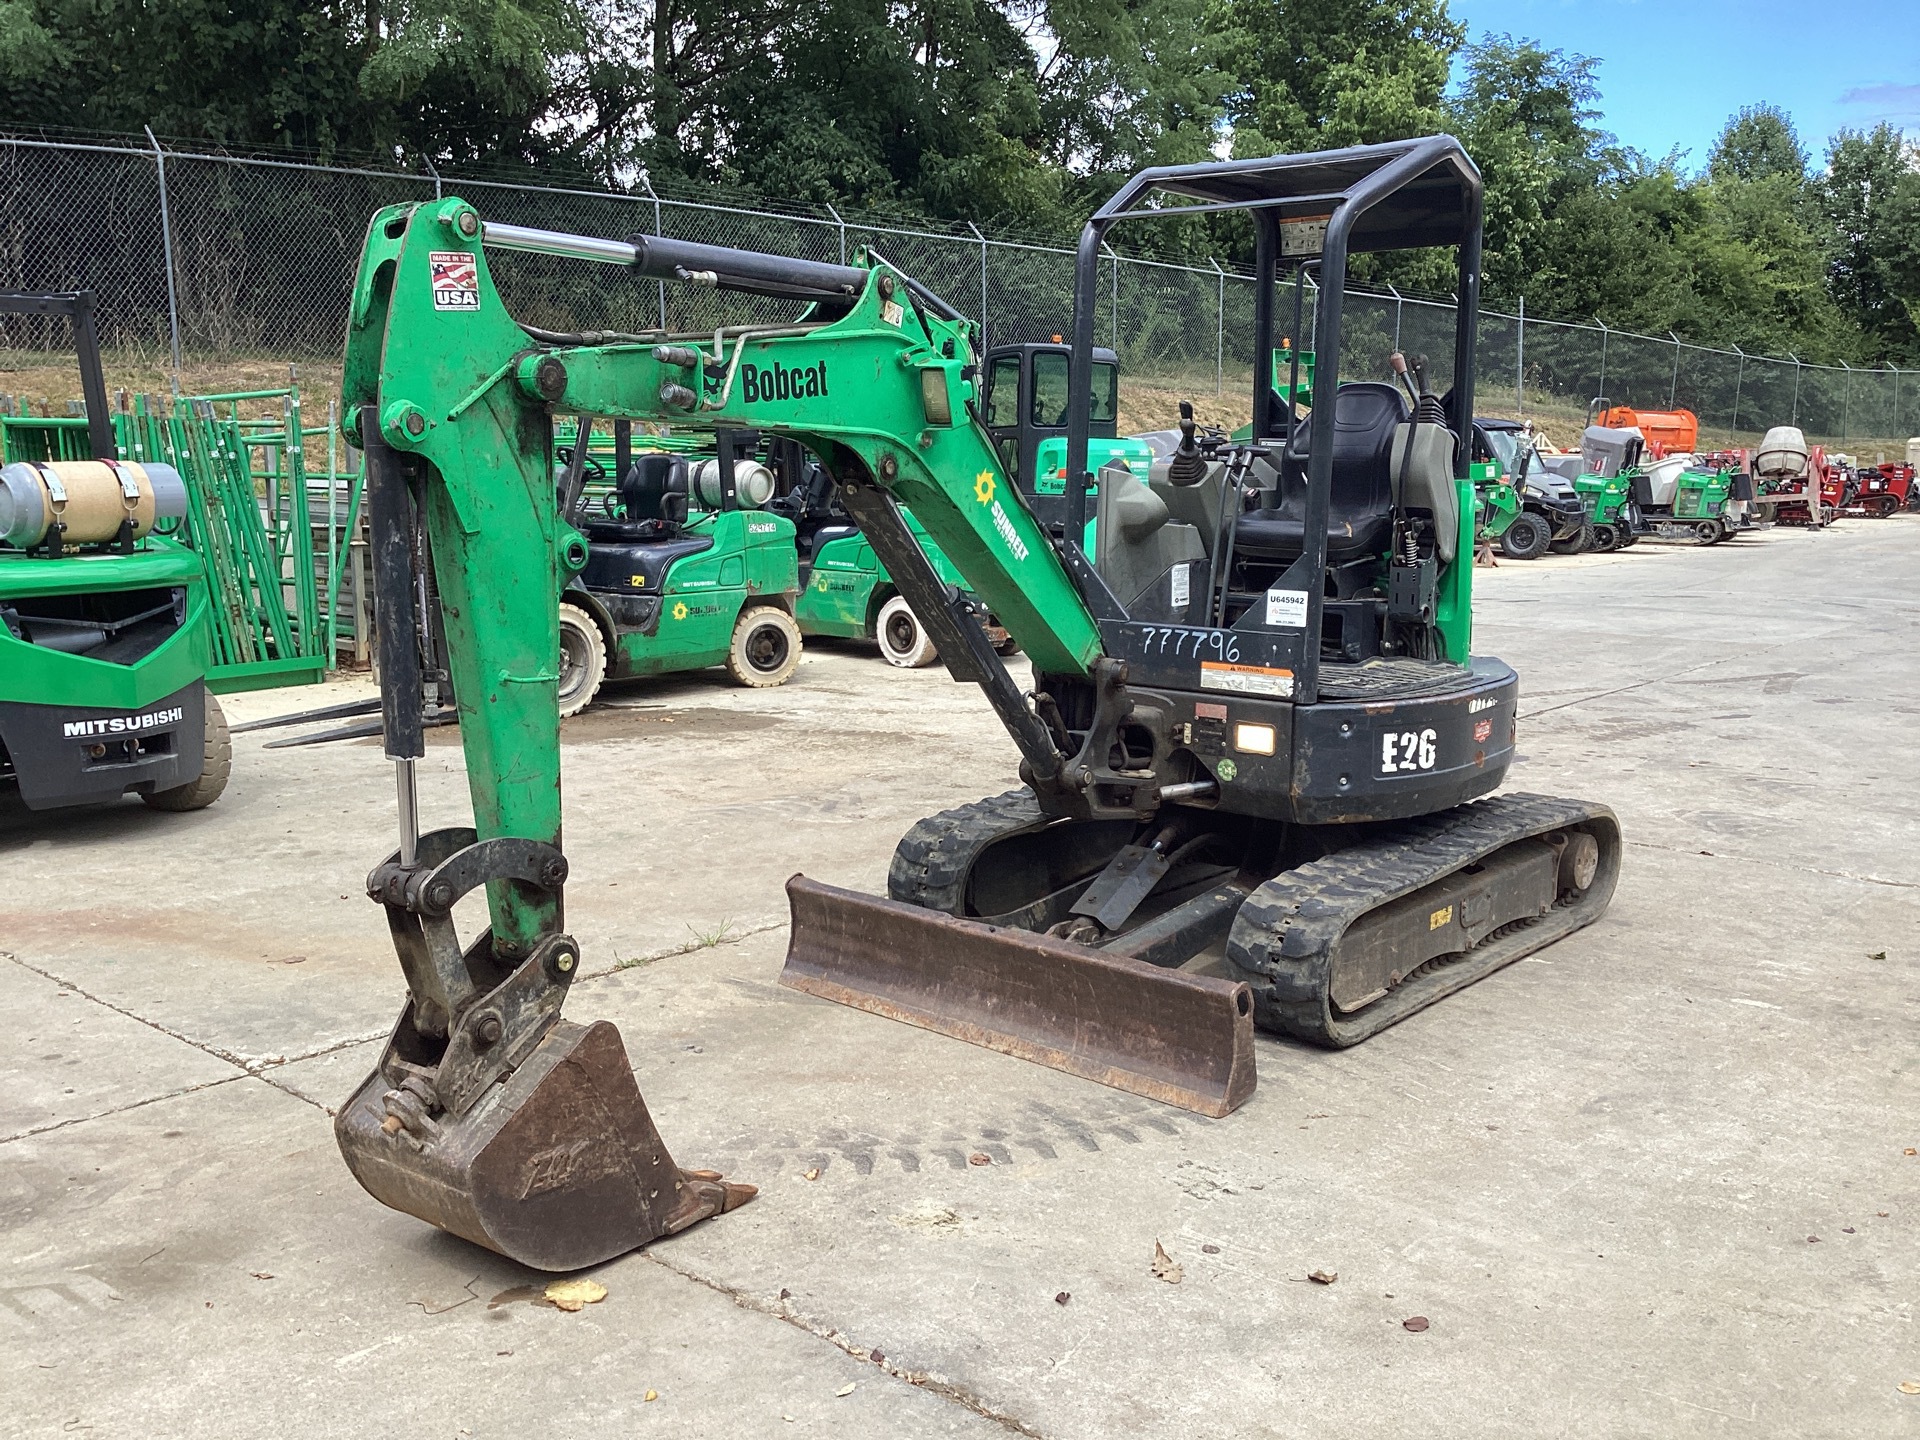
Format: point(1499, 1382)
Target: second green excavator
point(1252, 735)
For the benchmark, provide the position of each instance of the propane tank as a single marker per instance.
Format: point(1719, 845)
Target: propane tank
point(91, 498)
point(752, 484)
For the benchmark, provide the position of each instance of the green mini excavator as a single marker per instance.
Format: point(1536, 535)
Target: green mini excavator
point(1254, 752)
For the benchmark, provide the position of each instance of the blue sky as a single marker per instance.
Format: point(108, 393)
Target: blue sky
point(1672, 71)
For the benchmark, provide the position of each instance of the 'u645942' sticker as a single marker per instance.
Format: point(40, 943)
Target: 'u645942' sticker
point(456, 280)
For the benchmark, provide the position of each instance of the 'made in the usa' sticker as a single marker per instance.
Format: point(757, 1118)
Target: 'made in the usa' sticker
point(456, 280)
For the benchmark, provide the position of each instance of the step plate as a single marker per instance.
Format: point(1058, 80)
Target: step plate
point(1186, 1040)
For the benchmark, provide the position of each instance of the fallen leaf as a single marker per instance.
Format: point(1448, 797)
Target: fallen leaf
point(301, 960)
point(1910, 1387)
point(877, 1358)
point(786, 1294)
point(1706, 852)
point(503, 1352)
point(1164, 1266)
point(844, 1391)
point(571, 1295)
point(261, 1274)
point(1877, 955)
point(1209, 1249)
point(1323, 1277)
point(1062, 1298)
point(1881, 1213)
point(813, 1174)
point(978, 1159)
point(1813, 1239)
point(651, 1395)
point(1416, 1324)
point(1910, 1151)
point(1846, 1230)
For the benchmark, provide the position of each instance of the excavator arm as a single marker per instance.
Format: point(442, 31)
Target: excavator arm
point(452, 402)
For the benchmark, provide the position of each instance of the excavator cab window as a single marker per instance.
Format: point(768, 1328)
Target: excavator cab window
point(1050, 390)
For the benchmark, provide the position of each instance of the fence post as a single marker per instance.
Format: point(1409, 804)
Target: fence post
point(434, 173)
point(1794, 419)
point(660, 286)
point(1397, 304)
point(1220, 334)
point(1520, 364)
point(1896, 396)
point(1673, 385)
point(1605, 335)
point(1846, 402)
point(1739, 376)
point(983, 281)
point(843, 232)
point(1113, 300)
point(166, 252)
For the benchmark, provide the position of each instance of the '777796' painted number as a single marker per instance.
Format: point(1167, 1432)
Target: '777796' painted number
point(1405, 750)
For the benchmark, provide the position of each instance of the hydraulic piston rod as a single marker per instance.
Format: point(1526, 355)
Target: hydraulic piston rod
point(656, 256)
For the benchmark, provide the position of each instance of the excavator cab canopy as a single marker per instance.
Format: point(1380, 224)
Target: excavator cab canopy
point(1309, 214)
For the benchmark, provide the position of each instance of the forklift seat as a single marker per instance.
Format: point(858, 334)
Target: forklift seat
point(1360, 507)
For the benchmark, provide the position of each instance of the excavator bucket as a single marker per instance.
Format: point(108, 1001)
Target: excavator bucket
point(558, 1167)
point(1180, 1038)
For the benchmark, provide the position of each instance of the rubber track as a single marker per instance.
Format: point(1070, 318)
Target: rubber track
point(931, 864)
point(1283, 939)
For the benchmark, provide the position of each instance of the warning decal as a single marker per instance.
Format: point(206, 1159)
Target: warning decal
point(456, 280)
point(1246, 679)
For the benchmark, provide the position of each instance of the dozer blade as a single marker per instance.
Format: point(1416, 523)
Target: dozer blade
point(1183, 1039)
point(559, 1166)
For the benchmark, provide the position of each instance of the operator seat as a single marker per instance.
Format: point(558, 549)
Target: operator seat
point(653, 496)
point(1360, 506)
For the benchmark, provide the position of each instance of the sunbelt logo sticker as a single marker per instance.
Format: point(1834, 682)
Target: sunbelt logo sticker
point(983, 488)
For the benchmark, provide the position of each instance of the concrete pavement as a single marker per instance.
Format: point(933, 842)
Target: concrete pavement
point(1652, 1181)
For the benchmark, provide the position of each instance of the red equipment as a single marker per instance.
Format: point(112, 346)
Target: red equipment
point(1880, 490)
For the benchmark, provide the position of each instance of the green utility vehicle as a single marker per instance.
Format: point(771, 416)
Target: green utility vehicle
point(1495, 461)
point(105, 635)
point(1693, 498)
point(680, 568)
point(846, 592)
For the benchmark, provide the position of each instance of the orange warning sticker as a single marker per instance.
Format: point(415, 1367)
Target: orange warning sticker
point(1245, 679)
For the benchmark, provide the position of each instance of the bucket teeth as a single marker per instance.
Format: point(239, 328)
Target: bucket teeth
point(558, 1166)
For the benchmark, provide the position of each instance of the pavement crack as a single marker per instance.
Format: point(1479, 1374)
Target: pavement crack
point(686, 947)
point(53, 1125)
point(920, 1379)
point(216, 1051)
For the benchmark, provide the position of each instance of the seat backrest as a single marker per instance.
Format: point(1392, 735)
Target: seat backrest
point(1364, 416)
point(645, 488)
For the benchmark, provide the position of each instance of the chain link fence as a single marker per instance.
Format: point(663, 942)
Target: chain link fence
point(200, 258)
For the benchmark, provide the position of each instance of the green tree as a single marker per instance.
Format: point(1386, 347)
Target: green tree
point(1758, 142)
point(1868, 196)
point(1317, 74)
point(1525, 114)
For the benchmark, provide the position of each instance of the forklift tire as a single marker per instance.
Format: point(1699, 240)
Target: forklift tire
point(198, 794)
point(765, 650)
point(903, 639)
point(583, 659)
point(1527, 537)
point(1577, 543)
point(1606, 538)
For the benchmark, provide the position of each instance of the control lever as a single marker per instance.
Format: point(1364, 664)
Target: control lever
point(1188, 466)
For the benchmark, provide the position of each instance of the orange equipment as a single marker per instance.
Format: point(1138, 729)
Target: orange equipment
point(1667, 432)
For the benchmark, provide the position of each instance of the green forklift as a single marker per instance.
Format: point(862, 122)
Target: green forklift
point(105, 632)
point(682, 567)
